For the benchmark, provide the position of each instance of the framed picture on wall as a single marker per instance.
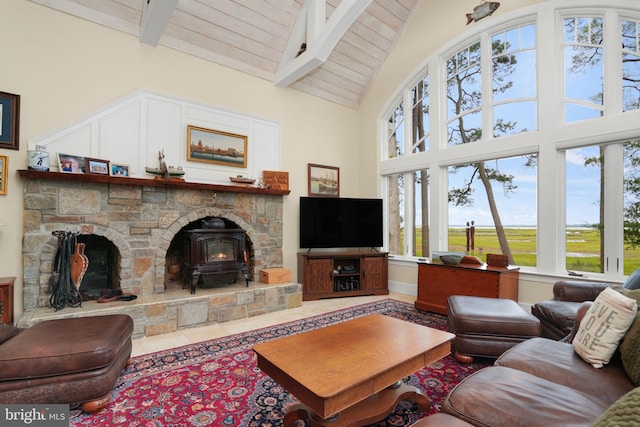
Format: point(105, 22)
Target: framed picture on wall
point(216, 147)
point(9, 120)
point(3, 175)
point(71, 164)
point(324, 181)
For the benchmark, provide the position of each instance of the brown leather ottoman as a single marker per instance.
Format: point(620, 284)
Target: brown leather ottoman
point(487, 327)
point(66, 361)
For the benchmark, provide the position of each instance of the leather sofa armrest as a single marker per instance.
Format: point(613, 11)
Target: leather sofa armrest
point(577, 291)
point(7, 332)
point(581, 312)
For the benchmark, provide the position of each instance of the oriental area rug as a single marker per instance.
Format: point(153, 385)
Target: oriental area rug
point(217, 382)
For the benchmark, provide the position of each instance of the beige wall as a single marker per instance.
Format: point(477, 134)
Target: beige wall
point(64, 67)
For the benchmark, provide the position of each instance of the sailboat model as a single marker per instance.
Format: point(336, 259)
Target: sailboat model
point(165, 171)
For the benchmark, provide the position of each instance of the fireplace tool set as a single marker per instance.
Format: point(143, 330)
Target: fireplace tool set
point(70, 265)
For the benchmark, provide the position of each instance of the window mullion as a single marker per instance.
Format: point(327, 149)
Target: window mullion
point(614, 215)
point(408, 123)
point(487, 86)
point(409, 214)
point(551, 217)
point(409, 220)
point(550, 73)
point(612, 64)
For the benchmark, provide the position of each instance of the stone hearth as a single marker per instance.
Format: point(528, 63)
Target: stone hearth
point(141, 218)
point(175, 309)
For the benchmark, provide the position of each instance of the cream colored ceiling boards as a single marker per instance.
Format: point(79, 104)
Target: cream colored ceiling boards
point(347, 40)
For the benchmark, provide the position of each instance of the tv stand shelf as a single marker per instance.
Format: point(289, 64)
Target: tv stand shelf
point(342, 274)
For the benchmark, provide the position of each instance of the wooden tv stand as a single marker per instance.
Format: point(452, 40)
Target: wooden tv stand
point(436, 282)
point(342, 274)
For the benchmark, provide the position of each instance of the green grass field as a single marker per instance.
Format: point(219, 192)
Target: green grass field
point(583, 247)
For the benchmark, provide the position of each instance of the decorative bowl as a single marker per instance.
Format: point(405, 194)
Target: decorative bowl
point(451, 259)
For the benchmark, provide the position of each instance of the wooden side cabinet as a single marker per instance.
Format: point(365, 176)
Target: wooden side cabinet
point(6, 300)
point(436, 282)
point(342, 274)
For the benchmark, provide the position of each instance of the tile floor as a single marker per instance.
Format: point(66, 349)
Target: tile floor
point(309, 308)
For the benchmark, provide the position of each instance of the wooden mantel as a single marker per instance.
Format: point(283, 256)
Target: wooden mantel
point(173, 183)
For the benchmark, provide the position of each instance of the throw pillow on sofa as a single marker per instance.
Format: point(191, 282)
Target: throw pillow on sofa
point(630, 344)
point(623, 412)
point(633, 281)
point(603, 326)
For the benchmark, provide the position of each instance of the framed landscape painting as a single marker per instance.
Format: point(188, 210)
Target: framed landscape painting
point(216, 147)
point(324, 181)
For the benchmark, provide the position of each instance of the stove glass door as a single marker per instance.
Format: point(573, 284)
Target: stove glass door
point(219, 250)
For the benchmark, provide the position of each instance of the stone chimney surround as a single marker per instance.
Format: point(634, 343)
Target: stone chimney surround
point(141, 217)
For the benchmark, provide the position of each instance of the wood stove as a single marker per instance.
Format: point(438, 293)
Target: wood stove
point(214, 257)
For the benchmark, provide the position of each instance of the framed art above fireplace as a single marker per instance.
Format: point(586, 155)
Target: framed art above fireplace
point(216, 147)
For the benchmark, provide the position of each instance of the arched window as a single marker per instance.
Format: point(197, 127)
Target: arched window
point(518, 155)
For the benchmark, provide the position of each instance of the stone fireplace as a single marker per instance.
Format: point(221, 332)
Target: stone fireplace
point(142, 222)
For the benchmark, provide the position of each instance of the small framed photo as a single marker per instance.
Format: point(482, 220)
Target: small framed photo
point(97, 166)
point(118, 169)
point(3, 175)
point(216, 147)
point(71, 164)
point(324, 181)
point(9, 121)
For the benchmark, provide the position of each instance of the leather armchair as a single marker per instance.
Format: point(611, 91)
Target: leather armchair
point(558, 315)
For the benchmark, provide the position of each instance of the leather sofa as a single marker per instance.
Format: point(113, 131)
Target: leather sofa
point(74, 361)
point(543, 382)
point(558, 315)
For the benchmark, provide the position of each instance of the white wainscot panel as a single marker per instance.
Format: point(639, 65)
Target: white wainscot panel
point(75, 141)
point(119, 136)
point(266, 149)
point(164, 131)
point(217, 120)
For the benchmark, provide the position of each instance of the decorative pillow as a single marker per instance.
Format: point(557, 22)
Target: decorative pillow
point(602, 327)
point(630, 344)
point(633, 281)
point(7, 332)
point(623, 412)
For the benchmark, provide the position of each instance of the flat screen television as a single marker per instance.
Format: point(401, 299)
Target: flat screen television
point(329, 222)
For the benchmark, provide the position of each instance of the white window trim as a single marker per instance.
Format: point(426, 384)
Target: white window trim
point(552, 136)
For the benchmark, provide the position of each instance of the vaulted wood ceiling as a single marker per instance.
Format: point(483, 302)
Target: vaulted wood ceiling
point(347, 41)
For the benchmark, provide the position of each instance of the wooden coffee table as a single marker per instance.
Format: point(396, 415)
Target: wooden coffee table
point(349, 374)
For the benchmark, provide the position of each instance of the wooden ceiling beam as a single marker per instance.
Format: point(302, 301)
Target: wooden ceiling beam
point(320, 35)
point(155, 18)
